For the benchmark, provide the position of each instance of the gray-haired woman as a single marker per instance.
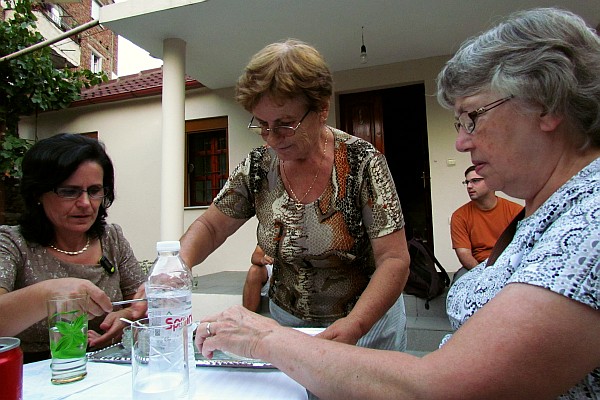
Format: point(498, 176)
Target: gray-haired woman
point(526, 97)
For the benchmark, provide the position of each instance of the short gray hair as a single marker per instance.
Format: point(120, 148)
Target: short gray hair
point(544, 56)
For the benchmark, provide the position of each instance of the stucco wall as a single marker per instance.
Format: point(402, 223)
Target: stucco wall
point(131, 131)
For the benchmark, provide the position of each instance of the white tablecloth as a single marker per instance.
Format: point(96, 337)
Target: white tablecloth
point(113, 381)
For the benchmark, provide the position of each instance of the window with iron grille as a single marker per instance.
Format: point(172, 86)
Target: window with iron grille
point(207, 161)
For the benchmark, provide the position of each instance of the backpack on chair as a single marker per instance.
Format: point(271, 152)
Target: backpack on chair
point(425, 281)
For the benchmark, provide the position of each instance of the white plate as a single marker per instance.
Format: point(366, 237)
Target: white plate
point(310, 331)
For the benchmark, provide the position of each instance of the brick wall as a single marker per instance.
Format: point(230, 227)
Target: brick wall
point(98, 40)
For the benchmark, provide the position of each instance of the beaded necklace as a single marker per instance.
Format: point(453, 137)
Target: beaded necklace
point(73, 253)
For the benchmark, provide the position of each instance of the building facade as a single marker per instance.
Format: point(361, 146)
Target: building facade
point(94, 49)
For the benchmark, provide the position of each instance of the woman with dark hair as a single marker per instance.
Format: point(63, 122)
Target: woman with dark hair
point(63, 245)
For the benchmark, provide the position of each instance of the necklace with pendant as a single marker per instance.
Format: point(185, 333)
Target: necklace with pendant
point(299, 203)
point(73, 253)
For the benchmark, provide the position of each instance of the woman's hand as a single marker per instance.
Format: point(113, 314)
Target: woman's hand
point(99, 303)
point(98, 341)
point(140, 309)
point(343, 330)
point(112, 324)
point(112, 327)
point(236, 330)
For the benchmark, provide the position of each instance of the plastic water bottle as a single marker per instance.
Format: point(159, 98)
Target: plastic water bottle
point(169, 292)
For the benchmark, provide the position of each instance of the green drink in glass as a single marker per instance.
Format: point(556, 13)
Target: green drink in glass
point(67, 325)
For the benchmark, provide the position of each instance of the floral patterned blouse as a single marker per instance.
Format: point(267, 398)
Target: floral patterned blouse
point(557, 248)
point(322, 250)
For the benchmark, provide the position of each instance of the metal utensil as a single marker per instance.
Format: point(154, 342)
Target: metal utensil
point(118, 303)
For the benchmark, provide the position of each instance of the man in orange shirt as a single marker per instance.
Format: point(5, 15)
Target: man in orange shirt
point(476, 226)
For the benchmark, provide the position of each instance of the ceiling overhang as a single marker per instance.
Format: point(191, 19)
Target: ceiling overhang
point(222, 35)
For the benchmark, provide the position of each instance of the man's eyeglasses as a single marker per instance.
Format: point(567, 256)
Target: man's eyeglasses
point(467, 119)
point(474, 181)
point(94, 192)
point(283, 130)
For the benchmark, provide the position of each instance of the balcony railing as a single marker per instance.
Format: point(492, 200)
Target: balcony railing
point(57, 16)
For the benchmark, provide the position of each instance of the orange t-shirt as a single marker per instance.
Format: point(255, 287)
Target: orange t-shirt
point(478, 230)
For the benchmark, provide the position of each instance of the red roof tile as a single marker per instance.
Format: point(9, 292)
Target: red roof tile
point(144, 83)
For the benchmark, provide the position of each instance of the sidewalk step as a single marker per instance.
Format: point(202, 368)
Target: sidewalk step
point(426, 327)
point(425, 334)
point(428, 323)
point(417, 307)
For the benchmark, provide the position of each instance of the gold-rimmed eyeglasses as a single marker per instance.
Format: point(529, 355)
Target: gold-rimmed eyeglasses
point(467, 119)
point(283, 130)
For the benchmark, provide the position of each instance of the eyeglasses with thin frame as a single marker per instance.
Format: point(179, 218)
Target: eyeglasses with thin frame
point(474, 181)
point(69, 192)
point(283, 130)
point(467, 119)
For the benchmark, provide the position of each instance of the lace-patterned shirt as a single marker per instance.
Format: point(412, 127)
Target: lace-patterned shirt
point(322, 250)
point(557, 248)
point(22, 264)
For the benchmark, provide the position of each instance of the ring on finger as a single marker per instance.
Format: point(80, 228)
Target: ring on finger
point(208, 332)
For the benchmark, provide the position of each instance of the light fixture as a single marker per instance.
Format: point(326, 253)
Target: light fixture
point(363, 48)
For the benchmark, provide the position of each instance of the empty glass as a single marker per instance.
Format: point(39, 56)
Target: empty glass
point(160, 368)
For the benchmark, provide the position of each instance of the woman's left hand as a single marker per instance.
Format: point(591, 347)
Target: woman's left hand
point(236, 330)
point(343, 330)
point(112, 327)
point(98, 341)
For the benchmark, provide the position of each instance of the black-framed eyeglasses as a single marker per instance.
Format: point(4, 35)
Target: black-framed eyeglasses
point(70, 192)
point(474, 181)
point(467, 119)
point(283, 130)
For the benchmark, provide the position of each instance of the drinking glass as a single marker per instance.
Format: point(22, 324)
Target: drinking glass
point(68, 328)
point(159, 359)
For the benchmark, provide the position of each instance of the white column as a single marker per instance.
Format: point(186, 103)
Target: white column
point(173, 140)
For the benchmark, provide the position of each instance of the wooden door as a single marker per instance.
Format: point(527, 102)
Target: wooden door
point(394, 121)
point(362, 116)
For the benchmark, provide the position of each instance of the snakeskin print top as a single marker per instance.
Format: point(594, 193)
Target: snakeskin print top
point(322, 250)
